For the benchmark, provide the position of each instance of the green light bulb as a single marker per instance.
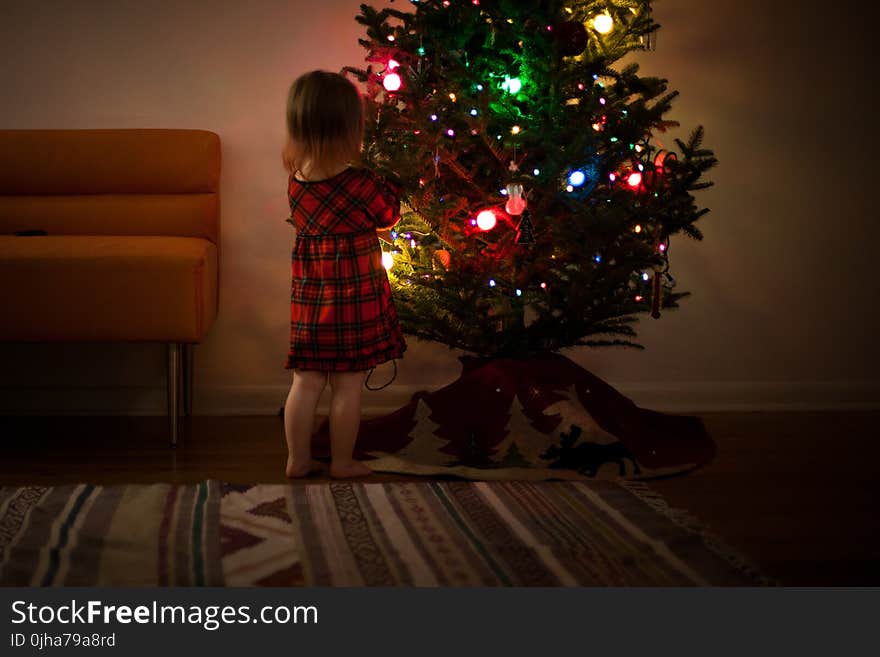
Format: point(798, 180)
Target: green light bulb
point(511, 85)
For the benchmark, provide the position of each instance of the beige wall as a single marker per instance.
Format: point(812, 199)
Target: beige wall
point(784, 284)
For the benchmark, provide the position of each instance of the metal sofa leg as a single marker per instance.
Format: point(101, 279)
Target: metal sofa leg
point(187, 362)
point(173, 387)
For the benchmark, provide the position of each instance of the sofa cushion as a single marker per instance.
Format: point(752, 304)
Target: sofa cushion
point(124, 161)
point(101, 288)
point(110, 182)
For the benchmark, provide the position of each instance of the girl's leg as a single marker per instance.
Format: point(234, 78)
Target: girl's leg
point(299, 418)
point(345, 419)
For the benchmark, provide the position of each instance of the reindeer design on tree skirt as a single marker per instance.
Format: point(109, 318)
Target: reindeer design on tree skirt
point(586, 457)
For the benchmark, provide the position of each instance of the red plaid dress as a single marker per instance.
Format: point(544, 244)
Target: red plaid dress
point(342, 317)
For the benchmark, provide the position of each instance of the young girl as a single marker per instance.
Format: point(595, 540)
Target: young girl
point(342, 318)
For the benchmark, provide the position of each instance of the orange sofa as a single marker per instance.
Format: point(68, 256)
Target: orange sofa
point(111, 236)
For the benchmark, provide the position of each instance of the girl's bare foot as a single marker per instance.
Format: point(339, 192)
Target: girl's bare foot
point(303, 469)
point(349, 470)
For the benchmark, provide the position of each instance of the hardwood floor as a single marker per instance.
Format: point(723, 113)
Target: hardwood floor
point(796, 492)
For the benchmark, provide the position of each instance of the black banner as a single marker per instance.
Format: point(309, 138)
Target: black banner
point(229, 621)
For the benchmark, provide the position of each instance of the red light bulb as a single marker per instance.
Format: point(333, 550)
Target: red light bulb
point(392, 82)
point(486, 220)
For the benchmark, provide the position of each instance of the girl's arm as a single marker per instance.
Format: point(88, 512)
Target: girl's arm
point(384, 206)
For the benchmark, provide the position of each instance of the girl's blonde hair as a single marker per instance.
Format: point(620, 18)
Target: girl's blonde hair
point(325, 119)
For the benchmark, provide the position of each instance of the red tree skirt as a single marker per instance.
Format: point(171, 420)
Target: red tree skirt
point(541, 418)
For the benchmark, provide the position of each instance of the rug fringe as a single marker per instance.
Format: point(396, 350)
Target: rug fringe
point(691, 523)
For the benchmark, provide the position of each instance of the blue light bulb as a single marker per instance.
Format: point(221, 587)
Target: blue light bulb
point(577, 178)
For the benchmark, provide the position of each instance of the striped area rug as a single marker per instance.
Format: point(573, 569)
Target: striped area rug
point(601, 533)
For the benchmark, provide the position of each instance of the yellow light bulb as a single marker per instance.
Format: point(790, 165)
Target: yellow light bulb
point(515, 130)
point(387, 260)
point(603, 23)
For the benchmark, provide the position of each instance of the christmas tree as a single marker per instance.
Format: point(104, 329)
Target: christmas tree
point(539, 202)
